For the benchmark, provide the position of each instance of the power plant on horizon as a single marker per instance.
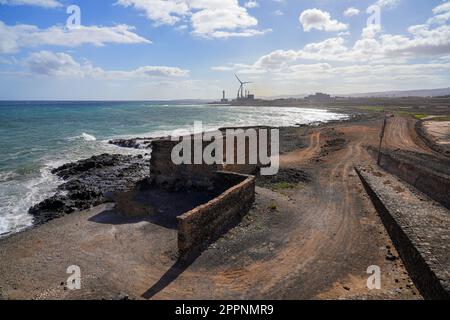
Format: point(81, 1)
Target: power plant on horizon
point(242, 94)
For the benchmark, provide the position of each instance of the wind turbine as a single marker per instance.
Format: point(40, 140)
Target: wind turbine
point(241, 88)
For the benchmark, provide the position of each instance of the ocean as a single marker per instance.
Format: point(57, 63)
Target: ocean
point(36, 137)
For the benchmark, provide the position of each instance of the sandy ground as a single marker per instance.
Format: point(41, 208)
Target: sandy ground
point(439, 131)
point(313, 240)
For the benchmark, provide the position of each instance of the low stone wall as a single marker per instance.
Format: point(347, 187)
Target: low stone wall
point(204, 224)
point(200, 226)
point(431, 182)
point(418, 227)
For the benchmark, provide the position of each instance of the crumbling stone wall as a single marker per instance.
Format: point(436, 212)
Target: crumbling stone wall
point(204, 224)
point(165, 174)
point(248, 167)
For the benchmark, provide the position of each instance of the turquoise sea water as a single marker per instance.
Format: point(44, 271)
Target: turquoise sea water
point(38, 136)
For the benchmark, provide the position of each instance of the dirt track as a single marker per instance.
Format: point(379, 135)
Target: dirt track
point(400, 134)
point(313, 241)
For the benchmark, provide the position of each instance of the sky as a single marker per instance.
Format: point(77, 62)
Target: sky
point(191, 49)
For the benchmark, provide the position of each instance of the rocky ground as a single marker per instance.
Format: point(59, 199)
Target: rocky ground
point(88, 183)
point(135, 143)
point(311, 234)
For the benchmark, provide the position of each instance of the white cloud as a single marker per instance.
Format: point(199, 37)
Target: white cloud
point(320, 20)
point(12, 38)
point(387, 3)
point(53, 64)
point(161, 12)
point(350, 12)
point(442, 14)
point(372, 47)
point(445, 7)
point(251, 4)
point(376, 57)
point(63, 65)
point(36, 3)
point(240, 34)
point(278, 13)
point(208, 18)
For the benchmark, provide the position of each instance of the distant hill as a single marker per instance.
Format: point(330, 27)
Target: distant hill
point(383, 94)
point(286, 96)
point(408, 93)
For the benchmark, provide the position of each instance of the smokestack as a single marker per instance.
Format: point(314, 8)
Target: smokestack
point(223, 94)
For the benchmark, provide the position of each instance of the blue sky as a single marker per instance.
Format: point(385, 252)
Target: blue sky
point(173, 49)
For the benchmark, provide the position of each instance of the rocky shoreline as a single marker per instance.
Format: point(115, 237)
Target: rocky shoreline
point(134, 143)
point(89, 182)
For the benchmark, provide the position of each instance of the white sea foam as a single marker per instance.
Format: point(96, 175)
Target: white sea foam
point(251, 116)
point(84, 136)
point(88, 137)
point(18, 195)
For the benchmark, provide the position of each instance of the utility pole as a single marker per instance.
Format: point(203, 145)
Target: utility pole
point(383, 129)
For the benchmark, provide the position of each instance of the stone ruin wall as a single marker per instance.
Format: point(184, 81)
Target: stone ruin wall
point(204, 224)
point(164, 173)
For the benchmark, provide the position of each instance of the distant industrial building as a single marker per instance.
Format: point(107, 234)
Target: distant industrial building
point(224, 99)
point(241, 96)
point(319, 97)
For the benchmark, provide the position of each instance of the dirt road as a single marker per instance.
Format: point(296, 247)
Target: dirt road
point(314, 239)
point(303, 155)
point(400, 134)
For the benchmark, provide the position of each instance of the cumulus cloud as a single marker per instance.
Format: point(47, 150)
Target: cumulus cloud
point(36, 3)
point(320, 20)
point(442, 14)
point(12, 38)
point(161, 12)
point(445, 7)
point(61, 64)
point(373, 46)
point(208, 18)
point(350, 12)
point(53, 64)
point(375, 56)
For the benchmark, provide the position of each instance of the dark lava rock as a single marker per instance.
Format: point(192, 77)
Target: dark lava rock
point(136, 143)
point(332, 145)
point(87, 183)
point(123, 296)
point(390, 256)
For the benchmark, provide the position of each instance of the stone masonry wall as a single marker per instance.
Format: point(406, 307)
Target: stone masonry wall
point(204, 224)
point(418, 228)
point(434, 184)
point(166, 174)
